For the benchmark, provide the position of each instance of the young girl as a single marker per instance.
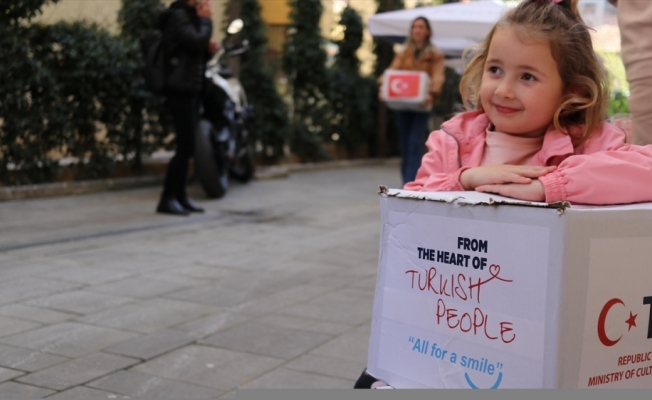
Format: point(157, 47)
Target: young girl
point(537, 133)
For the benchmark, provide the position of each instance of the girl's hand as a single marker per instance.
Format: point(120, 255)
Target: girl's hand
point(472, 178)
point(533, 191)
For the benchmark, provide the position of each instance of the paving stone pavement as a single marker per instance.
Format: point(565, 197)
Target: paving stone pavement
point(272, 287)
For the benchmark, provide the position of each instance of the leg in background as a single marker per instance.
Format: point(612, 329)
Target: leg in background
point(635, 23)
point(416, 144)
point(403, 124)
point(640, 108)
point(184, 111)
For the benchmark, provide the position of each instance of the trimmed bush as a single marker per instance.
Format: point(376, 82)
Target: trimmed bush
point(71, 90)
point(270, 127)
point(352, 96)
point(304, 61)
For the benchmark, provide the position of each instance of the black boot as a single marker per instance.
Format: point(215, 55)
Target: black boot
point(189, 205)
point(170, 205)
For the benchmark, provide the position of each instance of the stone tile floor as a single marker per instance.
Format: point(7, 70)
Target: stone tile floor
point(272, 287)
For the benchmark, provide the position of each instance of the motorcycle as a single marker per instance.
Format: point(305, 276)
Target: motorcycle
point(222, 146)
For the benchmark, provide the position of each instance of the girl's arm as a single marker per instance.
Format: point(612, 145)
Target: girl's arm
point(617, 176)
point(505, 174)
point(440, 168)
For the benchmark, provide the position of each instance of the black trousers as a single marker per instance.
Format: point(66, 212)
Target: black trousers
point(184, 110)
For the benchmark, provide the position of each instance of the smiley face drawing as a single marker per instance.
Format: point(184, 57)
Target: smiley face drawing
point(474, 386)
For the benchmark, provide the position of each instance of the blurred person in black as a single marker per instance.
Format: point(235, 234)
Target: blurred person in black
point(187, 44)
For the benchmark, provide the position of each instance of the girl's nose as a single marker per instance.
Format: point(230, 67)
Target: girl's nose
point(505, 89)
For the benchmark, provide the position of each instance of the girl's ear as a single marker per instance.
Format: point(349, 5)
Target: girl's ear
point(575, 96)
point(575, 90)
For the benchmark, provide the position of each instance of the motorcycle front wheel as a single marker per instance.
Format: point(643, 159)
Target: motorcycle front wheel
point(209, 162)
point(244, 166)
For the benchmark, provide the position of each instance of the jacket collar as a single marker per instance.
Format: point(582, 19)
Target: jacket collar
point(555, 144)
point(470, 127)
point(467, 126)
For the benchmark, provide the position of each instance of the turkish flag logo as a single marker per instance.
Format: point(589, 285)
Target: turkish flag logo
point(403, 86)
point(602, 322)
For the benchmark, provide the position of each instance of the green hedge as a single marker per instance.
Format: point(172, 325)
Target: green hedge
point(74, 90)
point(304, 61)
point(270, 126)
point(71, 90)
point(352, 96)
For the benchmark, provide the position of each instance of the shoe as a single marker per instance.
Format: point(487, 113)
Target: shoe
point(190, 205)
point(171, 206)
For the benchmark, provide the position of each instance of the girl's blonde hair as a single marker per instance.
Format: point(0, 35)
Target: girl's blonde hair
point(585, 79)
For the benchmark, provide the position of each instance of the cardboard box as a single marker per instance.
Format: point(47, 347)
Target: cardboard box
point(481, 291)
point(405, 90)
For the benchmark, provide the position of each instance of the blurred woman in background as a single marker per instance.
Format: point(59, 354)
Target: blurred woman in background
point(419, 54)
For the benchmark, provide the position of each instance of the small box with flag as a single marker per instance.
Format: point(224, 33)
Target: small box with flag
point(405, 90)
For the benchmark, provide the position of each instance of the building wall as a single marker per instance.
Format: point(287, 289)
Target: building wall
point(102, 12)
point(598, 13)
point(105, 13)
point(274, 12)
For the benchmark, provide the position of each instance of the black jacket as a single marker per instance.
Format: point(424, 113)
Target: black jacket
point(185, 42)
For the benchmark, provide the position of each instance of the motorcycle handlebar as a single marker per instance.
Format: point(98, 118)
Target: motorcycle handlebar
point(229, 51)
point(236, 46)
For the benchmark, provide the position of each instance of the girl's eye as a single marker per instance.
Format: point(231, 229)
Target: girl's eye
point(529, 77)
point(494, 70)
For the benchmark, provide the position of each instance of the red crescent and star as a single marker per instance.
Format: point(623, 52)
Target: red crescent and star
point(602, 335)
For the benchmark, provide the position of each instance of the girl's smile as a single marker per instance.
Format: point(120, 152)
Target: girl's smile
point(521, 88)
point(505, 110)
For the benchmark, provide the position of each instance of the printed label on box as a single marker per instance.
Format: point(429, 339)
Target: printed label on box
point(617, 345)
point(463, 302)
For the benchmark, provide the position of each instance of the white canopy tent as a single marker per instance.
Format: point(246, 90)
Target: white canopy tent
point(455, 25)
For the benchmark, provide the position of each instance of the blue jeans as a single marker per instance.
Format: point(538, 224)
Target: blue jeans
point(412, 130)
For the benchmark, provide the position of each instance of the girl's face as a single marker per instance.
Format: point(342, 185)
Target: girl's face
point(521, 88)
point(420, 31)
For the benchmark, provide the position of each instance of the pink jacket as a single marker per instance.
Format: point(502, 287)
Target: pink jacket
point(604, 170)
